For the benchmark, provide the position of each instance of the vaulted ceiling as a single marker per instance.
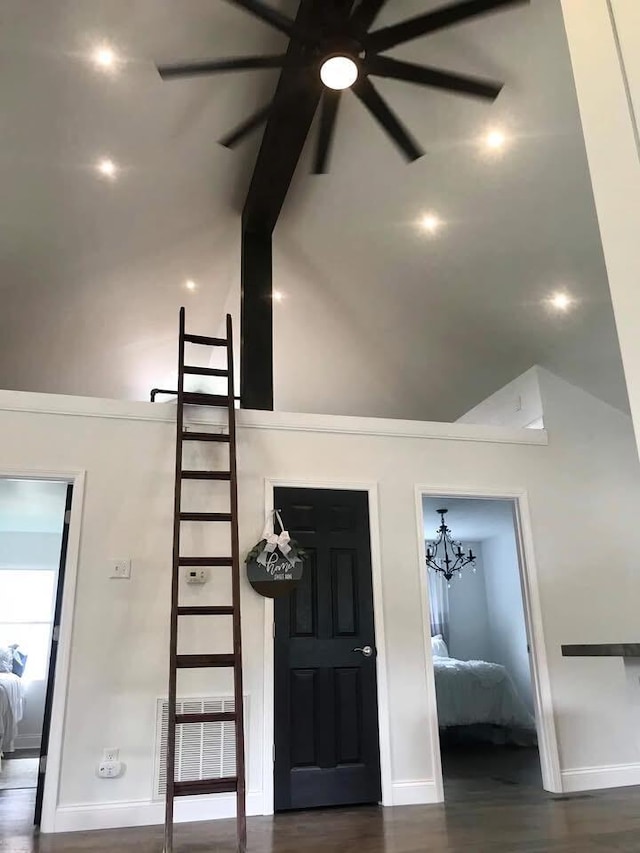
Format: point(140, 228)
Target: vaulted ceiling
point(378, 317)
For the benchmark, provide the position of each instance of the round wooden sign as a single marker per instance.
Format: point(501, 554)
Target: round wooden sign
point(277, 576)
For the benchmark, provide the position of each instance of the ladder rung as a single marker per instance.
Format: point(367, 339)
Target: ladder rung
point(204, 371)
point(204, 436)
point(195, 398)
point(204, 661)
point(206, 475)
point(185, 719)
point(205, 561)
point(205, 516)
point(205, 341)
point(205, 786)
point(206, 610)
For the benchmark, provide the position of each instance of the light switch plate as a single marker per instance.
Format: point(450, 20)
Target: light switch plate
point(120, 569)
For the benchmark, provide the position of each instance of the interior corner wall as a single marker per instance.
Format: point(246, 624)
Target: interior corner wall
point(604, 43)
point(505, 610)
point(517, 404)
point(469, 632)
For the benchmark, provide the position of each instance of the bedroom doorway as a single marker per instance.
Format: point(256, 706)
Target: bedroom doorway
point(34, 523)
point(486, 672)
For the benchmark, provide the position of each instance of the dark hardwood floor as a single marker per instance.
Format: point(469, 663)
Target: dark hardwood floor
point(480, 816)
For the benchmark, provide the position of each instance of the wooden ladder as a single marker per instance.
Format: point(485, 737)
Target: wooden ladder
point(178, 661)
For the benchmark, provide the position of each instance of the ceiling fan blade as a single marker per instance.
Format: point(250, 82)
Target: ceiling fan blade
point(380, 110)
point(236, 136)
point(456, 13)
point(364, 16)
point(239, 63)
point(384, 66)
point(259, 117)
point(267, 14)
point(328, 115)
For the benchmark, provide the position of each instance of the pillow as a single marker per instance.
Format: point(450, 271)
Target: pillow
point(439, 647)
point(19, 662)
point(6, 659)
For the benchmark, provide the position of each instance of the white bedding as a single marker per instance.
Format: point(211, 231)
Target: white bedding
point(475, 692)
point(11, 708)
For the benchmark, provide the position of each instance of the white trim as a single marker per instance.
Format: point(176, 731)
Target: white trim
point(432, 706)
point(384, 725)
point(57, 404)
point(61, 678)
point(416, 792)
point(592, 778)
point(87, 816)
point(552, 779)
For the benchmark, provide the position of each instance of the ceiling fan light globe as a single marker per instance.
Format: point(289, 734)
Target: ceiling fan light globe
point(339, 72)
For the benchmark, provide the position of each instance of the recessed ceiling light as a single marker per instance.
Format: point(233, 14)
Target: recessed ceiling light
point(430, 223)
point(561, 301)
point(278, 296)
point(495, 140)
point(190, 284)
point(105, 57)
point(339, 72)
point(107, 168)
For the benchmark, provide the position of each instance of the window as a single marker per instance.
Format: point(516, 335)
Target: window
point(27, 599)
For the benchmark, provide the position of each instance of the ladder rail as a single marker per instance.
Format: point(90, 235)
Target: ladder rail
point(241, 814)
point(175, 589)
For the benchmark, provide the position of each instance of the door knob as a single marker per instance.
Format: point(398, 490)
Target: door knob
point(367, 651)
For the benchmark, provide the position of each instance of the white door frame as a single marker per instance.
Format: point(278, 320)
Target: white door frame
point(61, 678)
point(381, 659)
point(543, 704)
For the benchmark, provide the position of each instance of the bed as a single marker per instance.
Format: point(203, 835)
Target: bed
point(477, 693)
point(11, 708)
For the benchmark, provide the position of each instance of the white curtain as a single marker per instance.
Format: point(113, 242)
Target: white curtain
point(439, 605)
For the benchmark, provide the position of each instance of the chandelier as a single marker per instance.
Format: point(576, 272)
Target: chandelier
point(445, 555)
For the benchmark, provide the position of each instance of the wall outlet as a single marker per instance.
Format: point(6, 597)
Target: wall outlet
point(120, 569)
point(109, 769)
point(111, 754)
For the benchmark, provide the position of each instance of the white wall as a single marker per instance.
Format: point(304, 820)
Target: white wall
point(605, 45)
point(120, 630)
point(505, 610)
point(517, 404)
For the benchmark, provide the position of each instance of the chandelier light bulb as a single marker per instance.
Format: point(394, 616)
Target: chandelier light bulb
point(339, 72)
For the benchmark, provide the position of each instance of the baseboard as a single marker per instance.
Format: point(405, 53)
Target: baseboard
point(592, 778)
point(27, 741)
point(84, 816)
point(415, 792)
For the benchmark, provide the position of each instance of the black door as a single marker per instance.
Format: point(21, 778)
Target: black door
point(326, 711)
point(53, 656)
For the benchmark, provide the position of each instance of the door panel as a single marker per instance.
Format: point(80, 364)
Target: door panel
point(326, 712)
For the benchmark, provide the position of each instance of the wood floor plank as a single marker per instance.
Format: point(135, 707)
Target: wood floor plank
point(497, 815)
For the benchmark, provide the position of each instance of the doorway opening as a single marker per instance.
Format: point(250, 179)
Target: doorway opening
point(326, 731)
point(34, 524)
point(480, 633)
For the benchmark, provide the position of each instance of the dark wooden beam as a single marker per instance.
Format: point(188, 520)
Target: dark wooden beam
point(256, 319)
point(295, 103)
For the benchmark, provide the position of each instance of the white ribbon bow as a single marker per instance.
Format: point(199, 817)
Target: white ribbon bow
point(274, 540)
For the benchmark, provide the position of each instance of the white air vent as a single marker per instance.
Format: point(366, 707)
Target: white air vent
point(203, 750)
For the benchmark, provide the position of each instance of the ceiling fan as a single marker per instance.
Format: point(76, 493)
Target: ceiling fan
point(344, 54)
